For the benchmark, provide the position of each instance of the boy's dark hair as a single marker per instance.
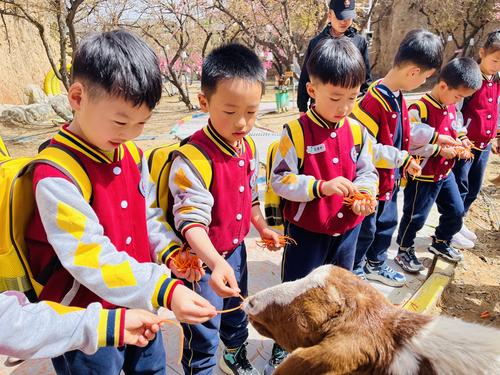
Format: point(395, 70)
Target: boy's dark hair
point(421, 48)
point(462, 72)
point(230, 61)
point(120, 64)
point(337, 62)
point(492, 43)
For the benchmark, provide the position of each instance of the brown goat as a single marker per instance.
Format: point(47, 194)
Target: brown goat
point(332, 322)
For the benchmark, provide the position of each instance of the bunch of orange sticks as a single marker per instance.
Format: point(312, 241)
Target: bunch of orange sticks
point(268, 243)
point(359, 196)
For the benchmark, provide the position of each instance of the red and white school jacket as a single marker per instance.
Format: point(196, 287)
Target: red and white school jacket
point(329, 152)
point(480, 112)
point(99, 251)
point(224, 207)
point(443, 119)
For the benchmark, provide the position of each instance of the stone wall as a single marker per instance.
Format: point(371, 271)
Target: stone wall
point(22, 63)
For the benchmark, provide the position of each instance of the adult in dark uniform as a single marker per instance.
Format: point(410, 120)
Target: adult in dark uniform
point(340, 16)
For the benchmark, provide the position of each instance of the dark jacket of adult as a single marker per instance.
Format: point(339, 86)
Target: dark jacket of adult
point(358, 40)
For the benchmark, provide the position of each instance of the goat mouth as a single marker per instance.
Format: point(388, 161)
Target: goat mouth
point(260, 328)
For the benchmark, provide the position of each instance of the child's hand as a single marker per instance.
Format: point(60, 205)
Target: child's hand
point(447, 140)
point(190, 307)
point(448, 152)
point(140, 327)
point(364, 207)
point(466, 142)
point(414, 168)
point(496, 150)
point(191, 275)
point(339, 186)
point(223, 274)
point(270, 234)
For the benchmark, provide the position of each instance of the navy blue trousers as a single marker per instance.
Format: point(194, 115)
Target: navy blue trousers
point(418, 200)
point(376, 232)
point(201, 340)
point(316, 249)
point(149, 360)
point(470, 174)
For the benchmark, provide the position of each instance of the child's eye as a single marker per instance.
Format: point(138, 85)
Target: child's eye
point(334, 100)
point(229, 113)
point(251, 112)
point(120, 123)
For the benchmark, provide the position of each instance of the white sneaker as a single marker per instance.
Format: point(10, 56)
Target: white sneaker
point(459, 241)
point(467, 233)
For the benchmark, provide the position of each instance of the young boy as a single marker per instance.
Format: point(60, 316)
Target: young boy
point(331, 161)
point(61, 328)
point(383, 112)
point(460, 78)
point(101, 251)
point(215, 219)
point(480, 114)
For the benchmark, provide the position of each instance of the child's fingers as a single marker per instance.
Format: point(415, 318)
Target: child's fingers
point(149, 335)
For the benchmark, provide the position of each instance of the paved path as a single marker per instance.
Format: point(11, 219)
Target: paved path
point(264, 269)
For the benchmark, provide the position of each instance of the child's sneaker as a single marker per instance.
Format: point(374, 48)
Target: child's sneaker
point(359, 272)
point(467, 233)
point(278, 355)
point(461, 242)
point(408, 261)
point(444, 249)
point(235, 362)
point(384, 274)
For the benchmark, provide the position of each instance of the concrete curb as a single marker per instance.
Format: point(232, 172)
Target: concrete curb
point(428, 295)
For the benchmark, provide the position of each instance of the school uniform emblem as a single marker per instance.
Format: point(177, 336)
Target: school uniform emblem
point(354, 154)
point(317, 149)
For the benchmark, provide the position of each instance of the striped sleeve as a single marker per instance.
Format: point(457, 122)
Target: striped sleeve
point(78, 239)
point(48, 329)
point(366, 174)
point(286, 179)
point(193, 202)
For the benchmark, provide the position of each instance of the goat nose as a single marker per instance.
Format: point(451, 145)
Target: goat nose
point(251, 302)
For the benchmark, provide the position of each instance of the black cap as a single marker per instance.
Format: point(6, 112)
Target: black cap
point(343, 9)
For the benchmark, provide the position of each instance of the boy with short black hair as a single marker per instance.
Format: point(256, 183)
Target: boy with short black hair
point(102, 250)
point(458, 79)
point(384, 113)
point(215, 219)
point(322, 158)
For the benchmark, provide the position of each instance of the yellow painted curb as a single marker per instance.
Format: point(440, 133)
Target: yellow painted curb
point(429, 293)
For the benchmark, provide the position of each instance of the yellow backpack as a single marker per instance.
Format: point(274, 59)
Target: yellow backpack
point(17, 205)
point(159, 163)
point(273, 203)
point(4, 153)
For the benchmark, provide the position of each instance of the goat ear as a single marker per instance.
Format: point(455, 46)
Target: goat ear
point(311, 360)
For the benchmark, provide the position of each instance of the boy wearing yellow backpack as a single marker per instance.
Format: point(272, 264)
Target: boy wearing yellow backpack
point(322, 158)
point(99, 247)
point(213, 214)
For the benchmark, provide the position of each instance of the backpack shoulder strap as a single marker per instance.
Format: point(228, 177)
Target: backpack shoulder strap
point(422, 109)
point(69, 164)
point(357, 134)
point(251, 142)
point(199, 160)
point(4, 153)
point(296, 134)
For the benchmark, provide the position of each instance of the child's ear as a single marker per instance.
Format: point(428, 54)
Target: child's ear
point(310, 90)
point(443, 86)
point(75, 94)
point(481, 53)
point(413, 71)
point(203, 101)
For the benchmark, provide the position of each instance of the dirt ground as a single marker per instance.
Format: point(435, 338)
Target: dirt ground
point(475, 287)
